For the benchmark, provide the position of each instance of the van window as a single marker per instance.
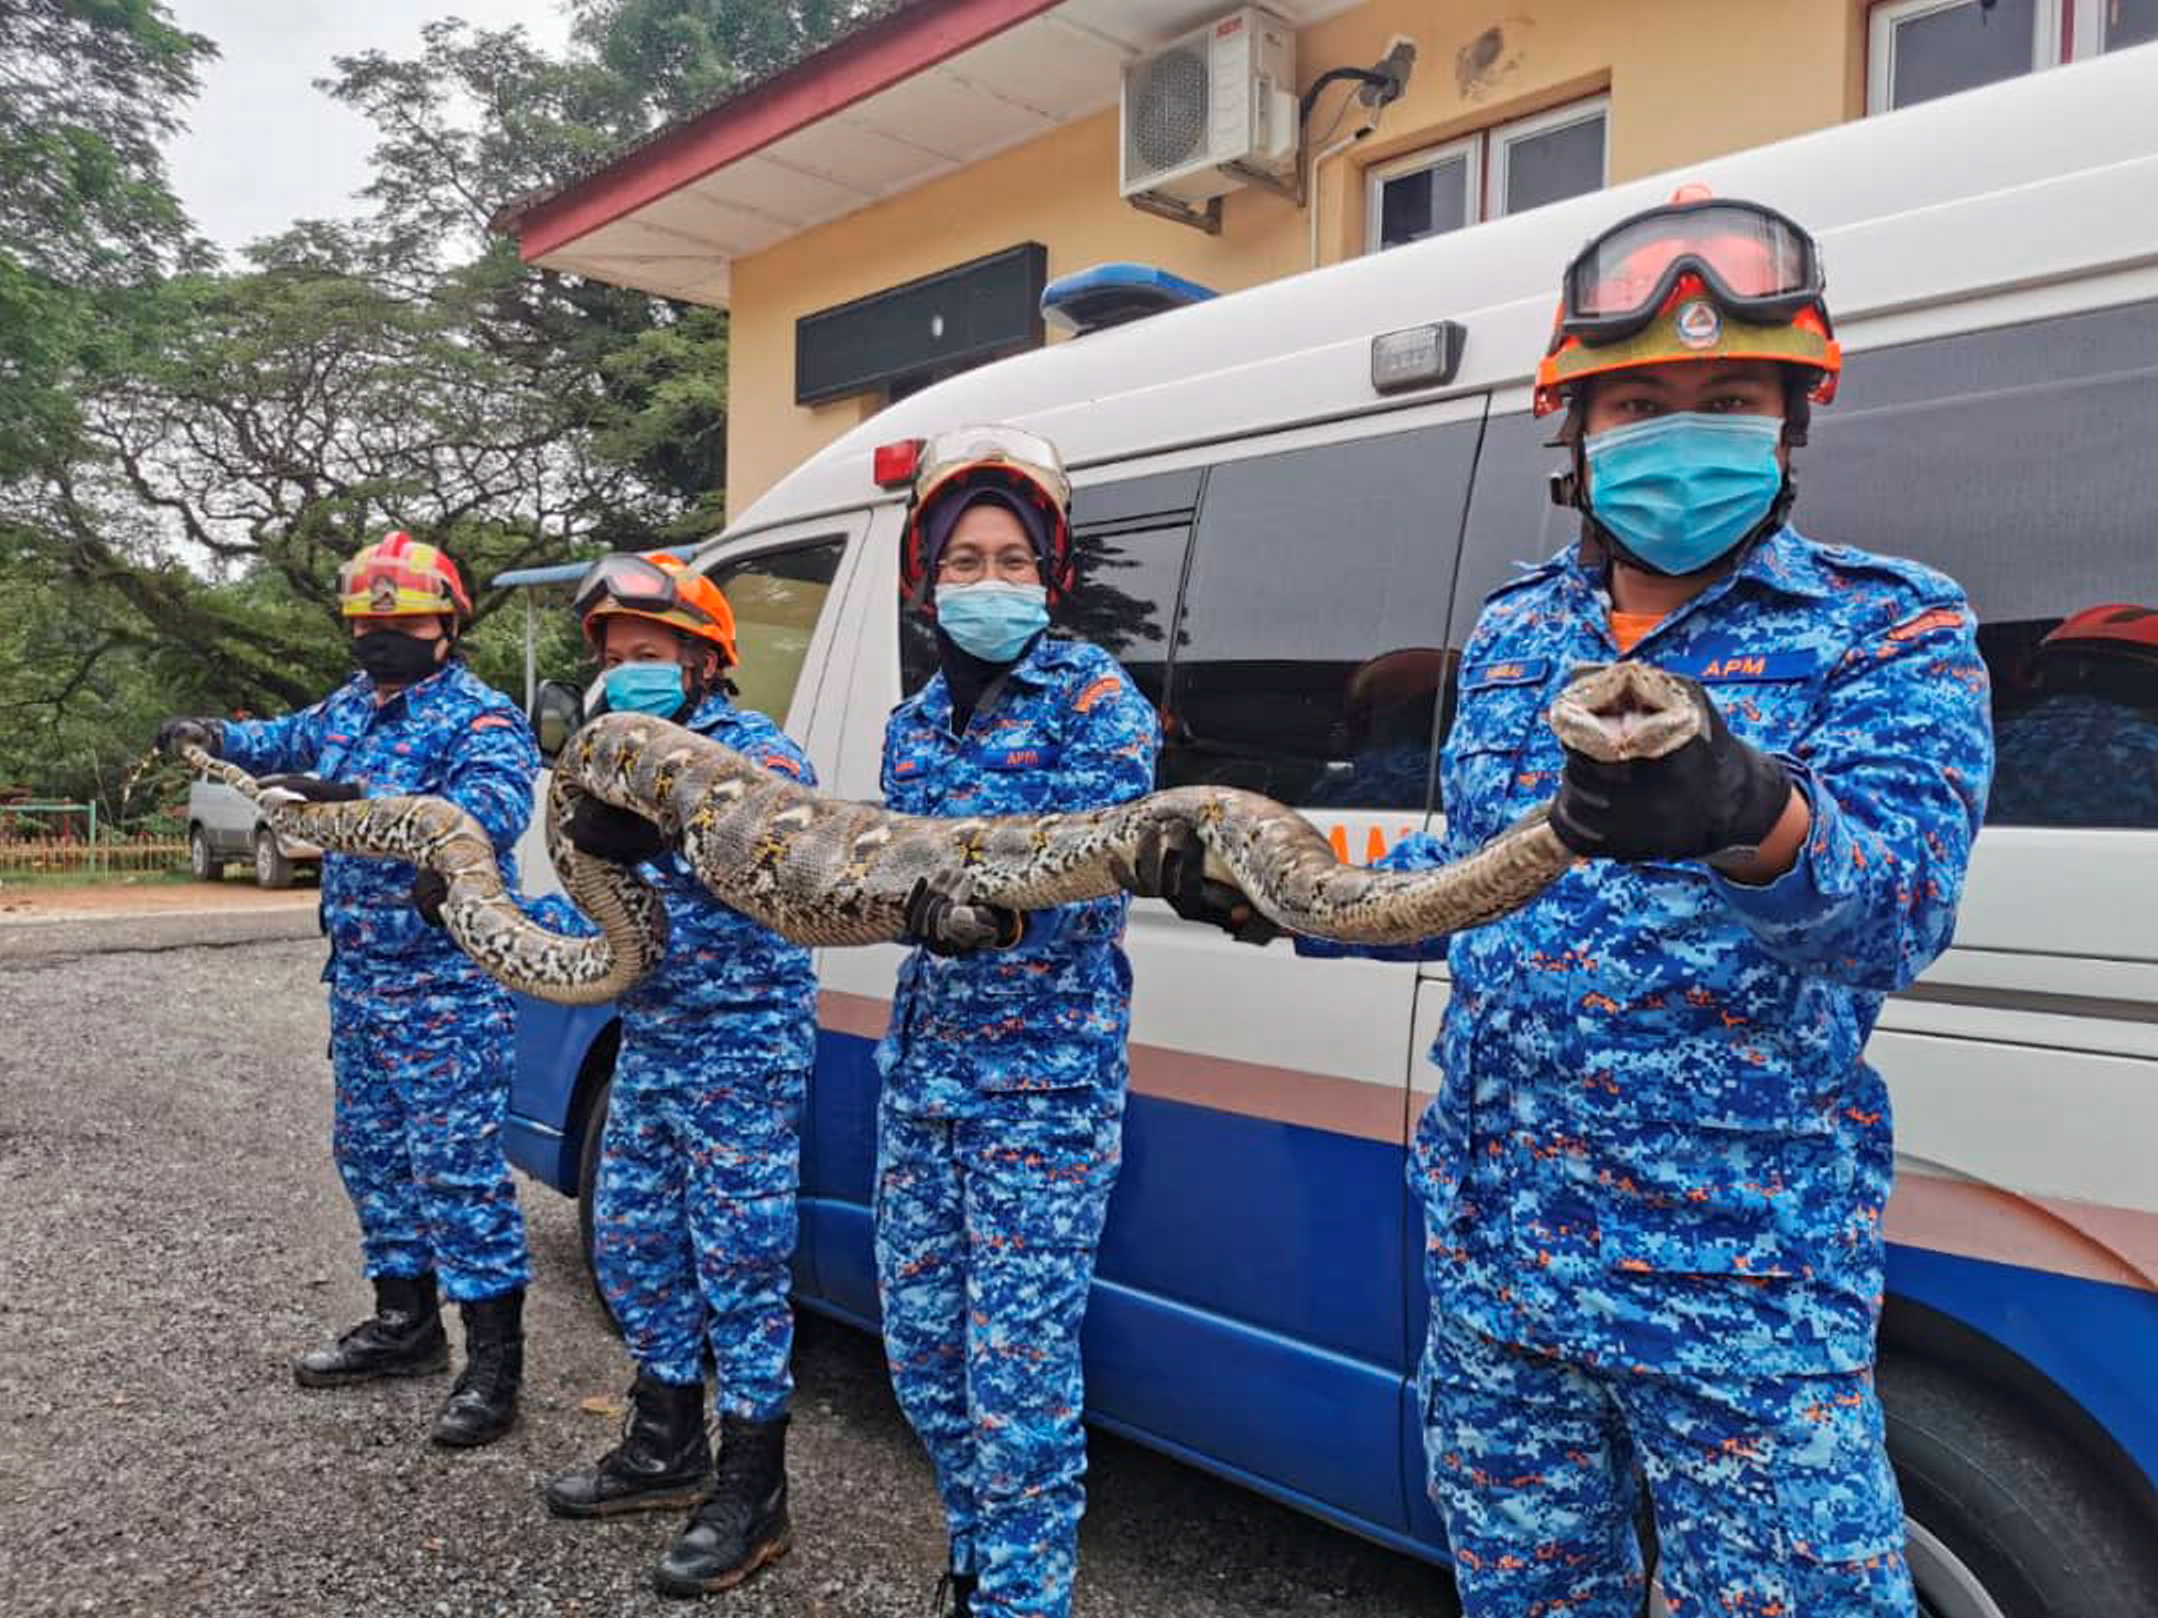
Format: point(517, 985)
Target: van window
point(2014, 460)
point(2017, 460)
point(1310, 648)
point(1128, 540)
point(777, 597)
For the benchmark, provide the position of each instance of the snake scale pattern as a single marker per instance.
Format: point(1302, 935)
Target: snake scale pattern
point(822, 870)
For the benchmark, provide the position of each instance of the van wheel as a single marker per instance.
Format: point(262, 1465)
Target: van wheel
point(202, 865)
point(595, 1130)
point(272, 869)
point(2006, 1519)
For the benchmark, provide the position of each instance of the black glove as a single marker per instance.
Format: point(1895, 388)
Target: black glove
point(1171, 865)
point(429, 889)
point(599, 829)
point(946, 926)
point(311, 788)
point(207, 734)
point(1714, 799)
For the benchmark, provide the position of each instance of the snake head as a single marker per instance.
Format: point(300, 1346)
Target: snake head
point(1617, 711)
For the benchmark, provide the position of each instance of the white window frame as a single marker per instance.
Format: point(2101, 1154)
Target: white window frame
point(1484, 153)
point(1467, 149)
point(2049, 19)
point(1506, 136)
point(2090, 16)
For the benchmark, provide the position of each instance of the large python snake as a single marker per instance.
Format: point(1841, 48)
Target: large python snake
point(822, 870)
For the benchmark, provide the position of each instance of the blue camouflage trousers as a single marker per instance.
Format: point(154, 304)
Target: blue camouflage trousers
point(1773, 1496)
point(694, 1219)
point(423, 1082)
point(986, 1235)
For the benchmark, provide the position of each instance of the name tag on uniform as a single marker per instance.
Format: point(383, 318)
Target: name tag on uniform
point(1712, 668)
point(1512, 671)
point(1020, 758)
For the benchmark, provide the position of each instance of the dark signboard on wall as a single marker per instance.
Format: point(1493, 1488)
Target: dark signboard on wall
point(933, 327)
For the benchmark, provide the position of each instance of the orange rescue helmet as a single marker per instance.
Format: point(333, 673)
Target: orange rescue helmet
point(661, 588)
point(1698, 278)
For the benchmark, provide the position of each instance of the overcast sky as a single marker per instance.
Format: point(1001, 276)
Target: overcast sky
point(264, 146)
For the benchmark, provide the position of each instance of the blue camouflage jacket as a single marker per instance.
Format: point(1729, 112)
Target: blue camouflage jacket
point(1041, 1025)
point(452, 735)
point(1654, 1105)
point(739, 989)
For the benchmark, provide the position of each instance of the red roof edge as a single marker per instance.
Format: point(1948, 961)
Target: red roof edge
point(849, 70)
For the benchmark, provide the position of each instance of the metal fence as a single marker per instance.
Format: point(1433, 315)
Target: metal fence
point(107, 855)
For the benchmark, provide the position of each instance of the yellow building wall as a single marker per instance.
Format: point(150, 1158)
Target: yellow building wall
point(1688, 79)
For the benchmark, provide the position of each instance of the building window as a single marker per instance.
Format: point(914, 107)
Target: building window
point(1503, 170)
point(2123, 22)
point(1427, 195)
point(1548, 158)
point(1920, 49)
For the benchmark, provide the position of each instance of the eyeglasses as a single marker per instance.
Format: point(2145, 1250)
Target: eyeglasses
point(1010, 561)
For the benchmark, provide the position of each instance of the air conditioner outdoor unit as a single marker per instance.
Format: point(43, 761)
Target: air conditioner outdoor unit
point(1212, 111)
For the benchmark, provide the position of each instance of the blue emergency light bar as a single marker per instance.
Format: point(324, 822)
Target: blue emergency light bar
point(559, 573)
point(1113, 294)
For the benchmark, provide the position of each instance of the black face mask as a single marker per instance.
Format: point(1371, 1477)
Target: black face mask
point(392, 657)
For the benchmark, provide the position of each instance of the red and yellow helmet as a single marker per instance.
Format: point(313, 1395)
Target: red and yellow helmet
point(398, 577)
point(1699, 278)
point(660, 587)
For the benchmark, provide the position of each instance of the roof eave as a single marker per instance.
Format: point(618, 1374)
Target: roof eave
point(882, 53)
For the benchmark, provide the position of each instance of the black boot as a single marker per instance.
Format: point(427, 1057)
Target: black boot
point(483, 1404)
point(403, 1338)
point(955, 1595)
point(664, 1460)
point(744, 1523)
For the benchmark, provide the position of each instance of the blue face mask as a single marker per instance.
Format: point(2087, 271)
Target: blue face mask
point(653, 688)
point(1681, 490)
point(993, 620)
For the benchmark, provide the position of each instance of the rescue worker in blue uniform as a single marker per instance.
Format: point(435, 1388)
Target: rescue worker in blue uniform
point(1654, 1176)
point(1000, 1121)
point(694, 1223)
point(420, 1037)
point(2083, 750)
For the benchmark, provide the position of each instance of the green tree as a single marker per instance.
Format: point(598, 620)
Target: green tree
point(683, 54)
point(88, 90)
point(243, 431)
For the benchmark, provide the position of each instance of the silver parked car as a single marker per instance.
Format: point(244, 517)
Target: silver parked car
point(223, 826)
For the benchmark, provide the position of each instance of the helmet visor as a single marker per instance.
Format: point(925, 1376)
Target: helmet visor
point(1756, 264)
point(634, 583)
point(965, 447)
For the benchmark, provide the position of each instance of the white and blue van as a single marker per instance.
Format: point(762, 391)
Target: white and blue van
point(1288, 560)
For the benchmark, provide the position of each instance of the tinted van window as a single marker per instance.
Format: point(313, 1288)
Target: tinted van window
point(1311, 647)
point(777, 597)
point(2018, 461)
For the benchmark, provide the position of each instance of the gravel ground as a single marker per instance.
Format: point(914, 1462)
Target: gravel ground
point(174, 1231)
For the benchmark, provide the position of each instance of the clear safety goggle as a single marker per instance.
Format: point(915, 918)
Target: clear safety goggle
point(962, 447)
point(1757, 265)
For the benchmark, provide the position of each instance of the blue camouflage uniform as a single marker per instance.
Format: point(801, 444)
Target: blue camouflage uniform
point(999, 1130)
point(694, 1223)
point(1654, 1175)
point(420, 1038)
